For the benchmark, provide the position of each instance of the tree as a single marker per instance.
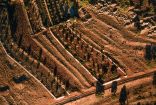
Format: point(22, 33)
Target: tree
point(114, 68)
point(29, 49)
point(136, 21)
point(71, 38)
point(148, 54)
point(39, 58)
point(38, 64)
point(104, 69)
point(123, 95)
point(66, 36)
point(20, 40)
point(12, 19)
point(114, 87)
point(88, 56)
point(153, 52)
point(14, 36)
point(99, 85)
point(22, 53)
point(154, 79)
point(55, 71)
point(103, 57)
point(45, 61)
point(40, 54)
point(57, 86)
point(67, 84)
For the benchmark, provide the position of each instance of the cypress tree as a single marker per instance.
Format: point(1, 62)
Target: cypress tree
point(12, 19)
point(103, 57)
point(57, 86)
point(136, 19)
point(154, 79)
point(114, 87)
point(45, 61)
point(123, 95)
point(104, 69)
point(22, 53)
point(153, 52)
point(20, 40)
point(55, 71)
point(148, 54)
point(39, 58)
point(38, 64)
point(29, 49)
point(67, 84)
point(40, 54)
point(99, 85)
point(114, 68)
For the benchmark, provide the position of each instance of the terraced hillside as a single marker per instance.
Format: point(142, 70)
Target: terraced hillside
point(51, 54)
point(18, 86)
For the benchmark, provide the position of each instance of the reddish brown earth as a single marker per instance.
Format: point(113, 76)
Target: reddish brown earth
point(30, 92)
point(102, 32)
point(143, 84)
point(122, 44)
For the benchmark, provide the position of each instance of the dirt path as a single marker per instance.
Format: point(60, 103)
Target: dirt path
point(106, 99)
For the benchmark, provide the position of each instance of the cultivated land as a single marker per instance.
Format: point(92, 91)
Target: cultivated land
point(63, 59)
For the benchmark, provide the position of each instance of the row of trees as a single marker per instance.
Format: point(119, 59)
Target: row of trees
point(123, 92)
point(21, 56)
point(114, 86)
point(31, 65)
point(15, 51)
point(96, 62)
